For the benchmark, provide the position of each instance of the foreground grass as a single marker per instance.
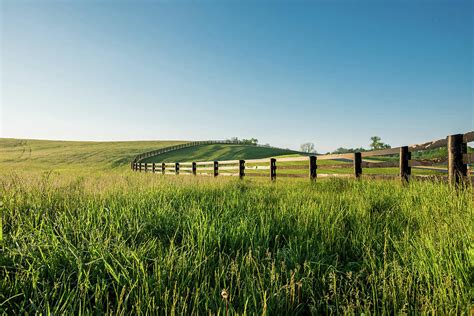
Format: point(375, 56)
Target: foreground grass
point(124, 243)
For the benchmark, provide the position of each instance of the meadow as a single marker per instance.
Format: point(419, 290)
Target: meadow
point(45, 155)
point(107, 240)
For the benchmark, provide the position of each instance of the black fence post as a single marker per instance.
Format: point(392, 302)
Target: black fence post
point(357, 164)
point(241, 169)
point(163, 168)
point(273, 169)
point(313, 167)
point(457, 169)
point(216, 168)
point(194, 168)
point(176, 168)
point(153, 168)
point(405, 169)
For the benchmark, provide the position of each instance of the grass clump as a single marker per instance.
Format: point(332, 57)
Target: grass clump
point(123, 243)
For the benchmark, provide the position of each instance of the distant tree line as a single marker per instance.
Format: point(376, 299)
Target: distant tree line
point(376, 144)
point(342, 150)
point(244, 141)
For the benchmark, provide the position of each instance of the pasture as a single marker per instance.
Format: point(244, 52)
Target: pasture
point(45, 155)
point(89, 236)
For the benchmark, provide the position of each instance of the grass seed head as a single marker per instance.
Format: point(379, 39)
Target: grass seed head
point(225, 294)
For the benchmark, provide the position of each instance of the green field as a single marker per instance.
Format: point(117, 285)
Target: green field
point(94, 237)
point(219, 152)
point(69, 155)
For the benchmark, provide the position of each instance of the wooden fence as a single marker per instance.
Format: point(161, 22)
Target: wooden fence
point(139, 158)
point(458, 161)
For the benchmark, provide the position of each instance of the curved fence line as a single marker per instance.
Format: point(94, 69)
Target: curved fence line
point(160, 151)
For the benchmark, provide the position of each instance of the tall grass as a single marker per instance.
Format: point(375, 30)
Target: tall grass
point(134, 243)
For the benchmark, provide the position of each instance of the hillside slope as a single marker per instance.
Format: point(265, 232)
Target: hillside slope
point(219, 152)
point(59, 155)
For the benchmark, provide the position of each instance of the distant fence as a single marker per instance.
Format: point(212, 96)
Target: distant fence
point(306, 166)
point(139, 158)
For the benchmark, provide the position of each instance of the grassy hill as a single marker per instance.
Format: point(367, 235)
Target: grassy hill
point(60, 155)
point(219, 152)
point(42, 155)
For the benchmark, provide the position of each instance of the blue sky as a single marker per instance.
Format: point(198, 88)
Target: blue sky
point(329, 72)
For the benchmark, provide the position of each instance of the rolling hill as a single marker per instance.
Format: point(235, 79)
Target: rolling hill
point(219, 152)
point(42, 155)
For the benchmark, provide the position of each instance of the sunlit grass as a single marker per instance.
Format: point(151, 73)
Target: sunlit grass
point(122, 242)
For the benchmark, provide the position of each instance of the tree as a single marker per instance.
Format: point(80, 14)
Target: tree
point(251, 141)
point(308, 148)
point(377, 143)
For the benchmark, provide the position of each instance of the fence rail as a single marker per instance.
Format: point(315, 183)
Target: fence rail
point(306, 166)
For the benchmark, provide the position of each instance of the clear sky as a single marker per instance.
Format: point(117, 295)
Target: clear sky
point(329, 72)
